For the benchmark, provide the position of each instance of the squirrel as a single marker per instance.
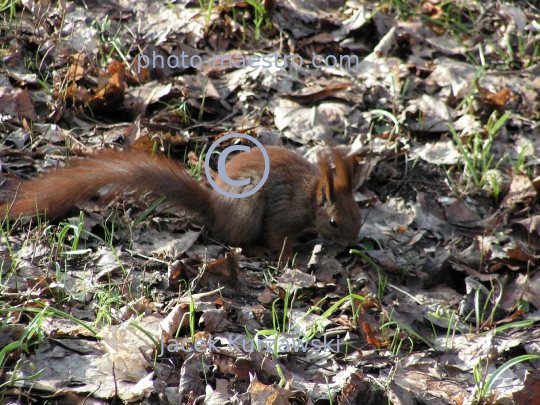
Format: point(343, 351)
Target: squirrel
point(296, 196)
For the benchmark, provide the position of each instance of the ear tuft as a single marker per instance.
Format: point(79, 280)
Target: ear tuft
point(326, 185)
point(344, 175)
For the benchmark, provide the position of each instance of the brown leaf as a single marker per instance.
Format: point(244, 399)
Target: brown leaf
point(370, 336)
point(498, 99)
point(432, 11)
point(18, 105)
point(530, 394)
point(76, 70)
point(227, 363)
point(517, 252)
point(458, 213)
point(521, 190)
point(140, 73)
point(320, 38)
point(77, 94)
point(266, 296)
point(111, 87)
point(358, 390)
point(242, 368)
point(40, 282)
point(310, 95)
point(176, 319)
point(181, 270)
point(531, 224)
point(223, 271)
point(268, 395)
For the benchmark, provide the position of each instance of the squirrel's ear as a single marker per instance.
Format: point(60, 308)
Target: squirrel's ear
point(325, 191)
point(344, 176)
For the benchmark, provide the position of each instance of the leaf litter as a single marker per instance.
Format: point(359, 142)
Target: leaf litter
point(440, 107)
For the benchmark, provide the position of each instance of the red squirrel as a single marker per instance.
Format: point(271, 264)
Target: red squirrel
point(297, 195)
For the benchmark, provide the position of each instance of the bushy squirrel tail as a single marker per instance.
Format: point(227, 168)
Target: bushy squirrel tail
point(108, 175)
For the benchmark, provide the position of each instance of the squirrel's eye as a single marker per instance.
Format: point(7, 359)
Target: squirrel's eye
point(333, 223)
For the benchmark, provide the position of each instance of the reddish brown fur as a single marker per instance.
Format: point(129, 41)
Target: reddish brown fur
point(296, 196)
point(105, 176)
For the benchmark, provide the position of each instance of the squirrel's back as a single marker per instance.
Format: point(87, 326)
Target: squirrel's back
point(286, 199)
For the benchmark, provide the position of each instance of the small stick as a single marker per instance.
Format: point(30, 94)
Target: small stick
point(281, 255)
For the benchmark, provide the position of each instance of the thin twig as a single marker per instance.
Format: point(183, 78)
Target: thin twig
point(281, 255)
